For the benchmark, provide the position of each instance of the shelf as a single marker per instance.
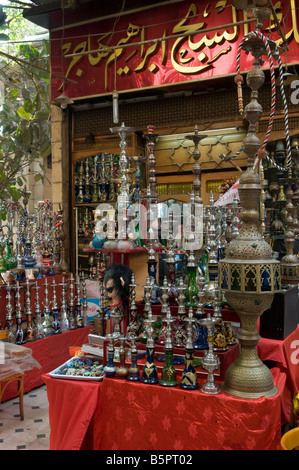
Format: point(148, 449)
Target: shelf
point(107, 250)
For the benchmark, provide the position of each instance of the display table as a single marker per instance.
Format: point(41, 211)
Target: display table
point(116, 414)
point(50, 352)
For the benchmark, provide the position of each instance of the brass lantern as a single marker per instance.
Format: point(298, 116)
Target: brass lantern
point(249, 275)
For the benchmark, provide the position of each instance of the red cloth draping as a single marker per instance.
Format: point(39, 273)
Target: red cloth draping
point(135, 416)
point(72, 405)
point(286, 355)
point(291, 353)
point(50, 352)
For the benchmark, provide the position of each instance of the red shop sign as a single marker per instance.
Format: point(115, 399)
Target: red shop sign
point(165, 45)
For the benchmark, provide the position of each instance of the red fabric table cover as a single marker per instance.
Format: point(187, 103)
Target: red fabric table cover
point(50, 352)
point(126, 415)
point(286, 355)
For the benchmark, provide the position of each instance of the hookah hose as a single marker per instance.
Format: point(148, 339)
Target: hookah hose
point(239, 79)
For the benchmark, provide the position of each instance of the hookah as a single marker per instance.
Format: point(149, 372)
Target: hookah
point(80, 195)
point(84, 303)
point(112, 191)
point(95, 190)
point(55, 310)
point(201, 332)
point(122, 370)
point(210, 361)
point(152, 272)
point(110, 369)
point(29, 261)
point(191, 296)
point(164, 310)
point(102, 190)
point(180, 334)
point(47, 326)
point(20, 334)
point(71, 305)
point(132, 328)
point(9, 314)
point(39, 331)
point(101, 311)
point(189, 375)
point(29, 330)
point(149, 374)
point(133, 372)
point(219, 344)
point(123, 199)
point(56, 256)
point(79, 320)
point(170, 262)
point(64, 321)
point(212, 256)
point(168, 375)
point(146, 308)
point(87, 196)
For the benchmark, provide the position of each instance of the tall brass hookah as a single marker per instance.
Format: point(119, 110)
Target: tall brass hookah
point(249, 275)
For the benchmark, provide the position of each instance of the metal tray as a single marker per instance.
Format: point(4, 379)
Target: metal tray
point(56, 375)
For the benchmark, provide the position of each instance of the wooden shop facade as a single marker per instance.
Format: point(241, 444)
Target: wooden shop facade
point(172, 64)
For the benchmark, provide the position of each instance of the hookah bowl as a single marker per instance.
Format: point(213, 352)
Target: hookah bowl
point(210, 361)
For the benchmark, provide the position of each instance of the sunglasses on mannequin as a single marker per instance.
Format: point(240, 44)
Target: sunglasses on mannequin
point(110, 289)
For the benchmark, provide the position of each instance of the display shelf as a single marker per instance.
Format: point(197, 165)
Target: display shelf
point(119, 251)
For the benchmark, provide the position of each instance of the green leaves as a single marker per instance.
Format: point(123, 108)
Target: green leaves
point(24, 120)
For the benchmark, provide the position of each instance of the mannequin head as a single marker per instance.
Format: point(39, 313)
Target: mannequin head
point(117, 284)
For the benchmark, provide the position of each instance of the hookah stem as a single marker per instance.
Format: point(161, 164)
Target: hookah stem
point(273, 96)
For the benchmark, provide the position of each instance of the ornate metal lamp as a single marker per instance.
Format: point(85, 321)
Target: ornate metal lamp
point(249, 275)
